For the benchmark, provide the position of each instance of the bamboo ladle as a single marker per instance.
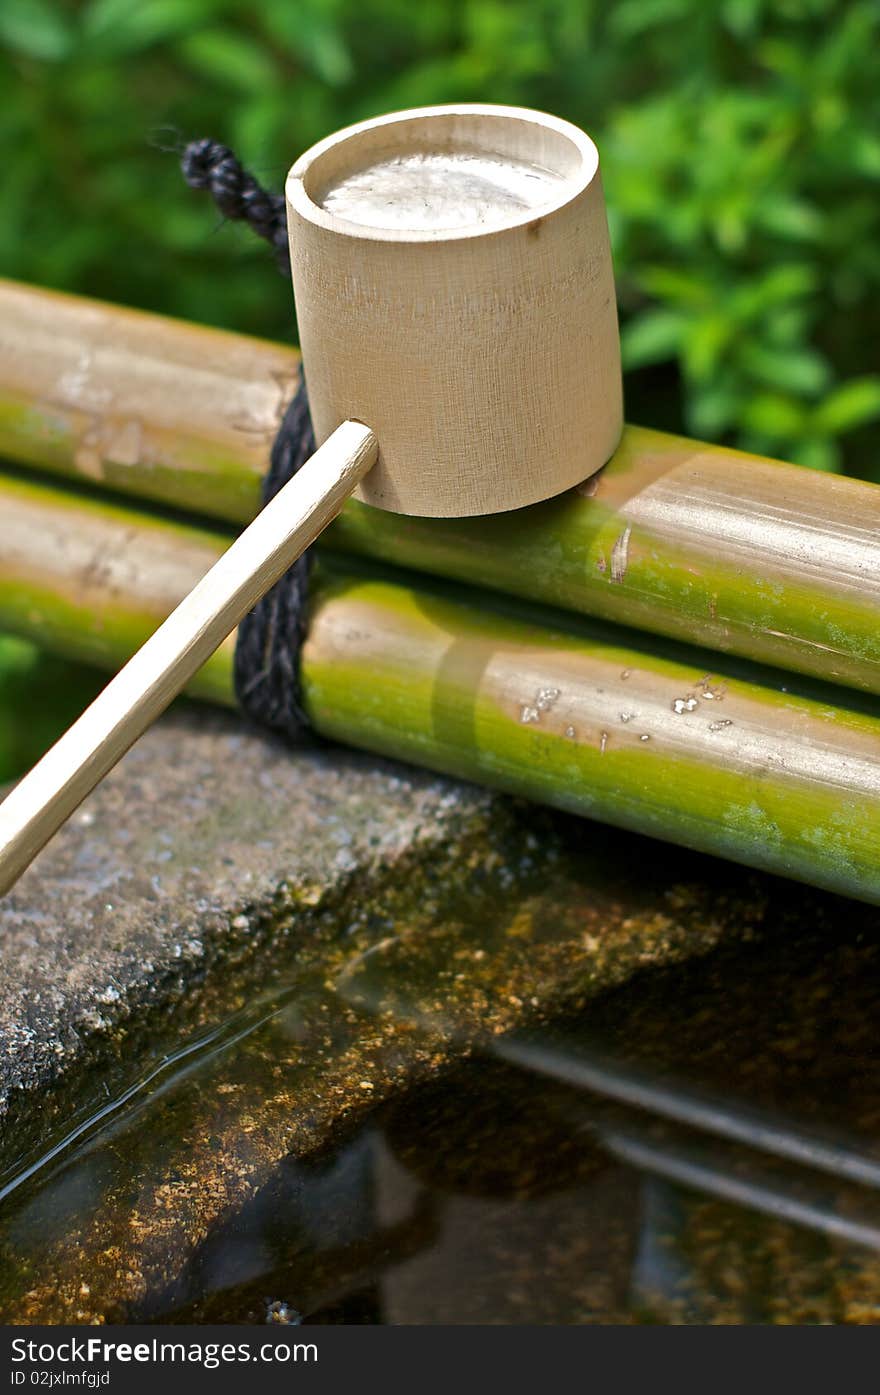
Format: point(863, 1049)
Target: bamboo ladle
point(454, 290)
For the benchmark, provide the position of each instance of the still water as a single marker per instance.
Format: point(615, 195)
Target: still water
point(699, 1145)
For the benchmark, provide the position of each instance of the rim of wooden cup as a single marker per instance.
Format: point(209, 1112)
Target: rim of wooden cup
point(476, 128)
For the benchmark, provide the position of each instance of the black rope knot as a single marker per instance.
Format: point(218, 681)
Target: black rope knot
point(270, 638)
point(210, 166)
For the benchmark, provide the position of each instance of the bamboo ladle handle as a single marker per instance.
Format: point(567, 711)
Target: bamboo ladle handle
point(46, 797)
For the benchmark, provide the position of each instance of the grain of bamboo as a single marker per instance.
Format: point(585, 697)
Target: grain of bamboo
point(579, 716)
point(730, 551)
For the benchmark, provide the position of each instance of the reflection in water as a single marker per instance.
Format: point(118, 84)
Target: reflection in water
point(699, 1146)
point(489, 1197)
point(681, 1103)
point(434, 1210)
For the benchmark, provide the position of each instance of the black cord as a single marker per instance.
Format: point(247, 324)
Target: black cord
point(208, 165)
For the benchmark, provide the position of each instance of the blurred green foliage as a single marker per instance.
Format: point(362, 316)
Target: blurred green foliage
point(740, 143)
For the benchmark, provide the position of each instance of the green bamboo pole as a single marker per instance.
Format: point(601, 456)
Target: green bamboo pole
point(92, 581)
point(156, 408)
point(733, 552)
point(579, 717)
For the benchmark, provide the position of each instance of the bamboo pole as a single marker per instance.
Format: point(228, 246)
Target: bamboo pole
point(150, 406)
point(733, 552)
point(574, 715)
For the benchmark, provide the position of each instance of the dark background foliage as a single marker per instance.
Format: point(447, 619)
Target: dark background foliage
point(740, 142)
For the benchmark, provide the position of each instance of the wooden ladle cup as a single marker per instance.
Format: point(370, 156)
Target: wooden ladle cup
point(455, 298)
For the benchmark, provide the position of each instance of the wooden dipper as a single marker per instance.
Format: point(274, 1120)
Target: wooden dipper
point(454, 289)
point(455, 298)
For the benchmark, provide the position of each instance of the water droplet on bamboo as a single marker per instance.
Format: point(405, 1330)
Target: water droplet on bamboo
point(546, 698)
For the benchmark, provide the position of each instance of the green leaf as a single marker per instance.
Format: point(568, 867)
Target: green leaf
point(704, 345)
point(674, 283)
point(313, 32)
point(790, 218)
point(816, 452)
point(742, 17)
point(865, 151)
point(630, 18)
point(852, 404)
point(779, 284)
point(232, 59)
point(37, 29)
point(326, 52)
point(803, 372)
point(712, 410)
point(773, 415)
point(651, 337)
point(16, 655)
point(116, 27)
